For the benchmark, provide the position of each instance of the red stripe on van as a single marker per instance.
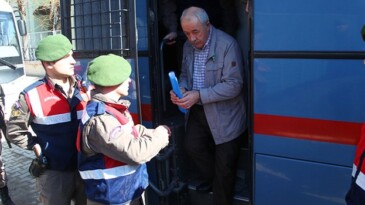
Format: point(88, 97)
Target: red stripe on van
point(308, 129)
point(146, 112)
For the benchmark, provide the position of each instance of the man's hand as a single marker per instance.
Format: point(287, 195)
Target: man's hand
point(170, 38)
point(38, 166)
point(189, 99)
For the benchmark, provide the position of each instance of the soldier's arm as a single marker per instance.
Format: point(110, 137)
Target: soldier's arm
point(2, 98)
point(119, 142)
point(19, 120)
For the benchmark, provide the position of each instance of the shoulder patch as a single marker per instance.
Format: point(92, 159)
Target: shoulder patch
point(115, 133)
point(16, 109)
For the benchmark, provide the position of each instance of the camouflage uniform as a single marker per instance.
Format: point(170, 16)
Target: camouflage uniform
point(4, 193)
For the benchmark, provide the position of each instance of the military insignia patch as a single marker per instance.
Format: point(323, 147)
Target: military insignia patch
point(115, 133)
point(16, 109)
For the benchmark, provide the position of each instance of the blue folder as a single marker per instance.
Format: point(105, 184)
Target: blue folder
point(176, 88)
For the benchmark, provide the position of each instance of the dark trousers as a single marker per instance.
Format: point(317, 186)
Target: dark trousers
point(214, 163)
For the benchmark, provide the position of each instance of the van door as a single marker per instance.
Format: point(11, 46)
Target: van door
point(308, 99)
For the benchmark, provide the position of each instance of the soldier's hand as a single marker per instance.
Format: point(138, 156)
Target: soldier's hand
point(38, 166)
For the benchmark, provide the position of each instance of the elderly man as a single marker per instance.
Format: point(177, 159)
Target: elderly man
point(211, 81)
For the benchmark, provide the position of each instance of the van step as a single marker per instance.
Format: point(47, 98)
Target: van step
point(200, 186)
point(200, 198)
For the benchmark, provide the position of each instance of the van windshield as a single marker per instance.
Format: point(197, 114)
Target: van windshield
point(11, 61)
point(9, 42)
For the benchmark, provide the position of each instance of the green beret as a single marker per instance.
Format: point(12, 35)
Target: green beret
point(108, 70)
point(53, 48)
point(363, 32)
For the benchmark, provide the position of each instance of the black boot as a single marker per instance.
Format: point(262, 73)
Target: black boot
point(5, 198)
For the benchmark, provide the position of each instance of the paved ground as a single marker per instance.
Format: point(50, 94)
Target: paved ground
point(22, 186)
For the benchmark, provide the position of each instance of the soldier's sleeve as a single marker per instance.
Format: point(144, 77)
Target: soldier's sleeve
point(122, 143)
point(19, 120)
point(2, 98)
point(2, 122)
point(159, 138)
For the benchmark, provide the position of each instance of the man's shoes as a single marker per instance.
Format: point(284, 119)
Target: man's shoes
point(5, 198)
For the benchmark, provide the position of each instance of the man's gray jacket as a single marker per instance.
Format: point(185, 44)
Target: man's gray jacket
point(223, 92)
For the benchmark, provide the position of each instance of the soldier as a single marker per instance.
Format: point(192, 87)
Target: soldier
point(52, 107)
point(4, 192)
point(356, 194)
point(113, 150)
